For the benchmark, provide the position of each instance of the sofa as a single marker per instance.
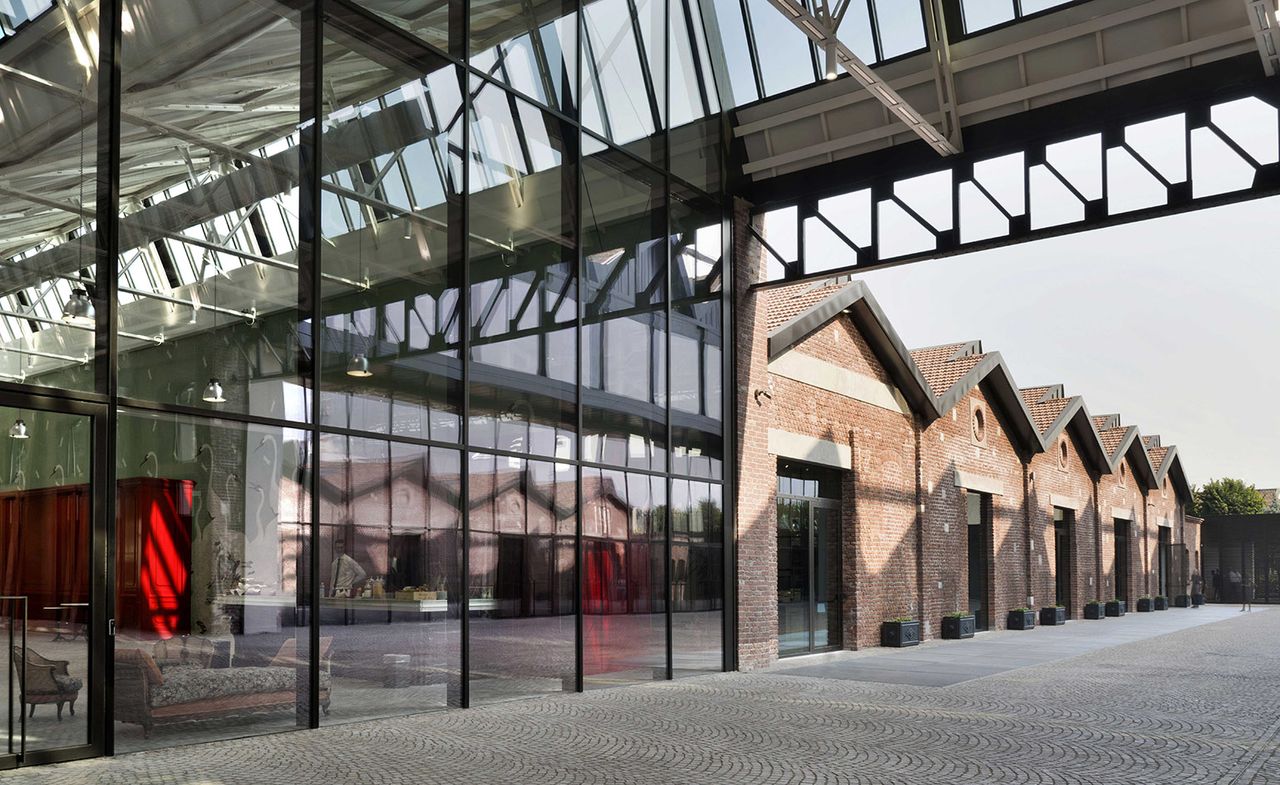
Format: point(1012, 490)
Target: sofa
point(175, 681)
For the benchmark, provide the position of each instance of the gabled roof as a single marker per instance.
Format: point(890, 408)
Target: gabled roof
point(1053, 411)
point(1124, 441)
point(1166, 463)
point(953, 370)
point(806, 311)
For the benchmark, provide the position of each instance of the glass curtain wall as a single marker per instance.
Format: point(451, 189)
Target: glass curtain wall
point(410, 338)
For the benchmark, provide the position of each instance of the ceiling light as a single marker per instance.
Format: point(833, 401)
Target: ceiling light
point(358, 367)
point(18, 430)
point(832, 69)
point(213, 392)
point(78, 308)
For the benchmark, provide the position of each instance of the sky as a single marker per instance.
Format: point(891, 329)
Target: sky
point(1174, 323)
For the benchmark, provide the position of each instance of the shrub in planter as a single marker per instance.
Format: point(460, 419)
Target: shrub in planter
point(1116, 608)
point(1160, 602)
point(1022, 619)
point(900, 632)
point(1145, 605)
point(958, 626)
point(1052, 616)
point(1197, 600)
point(1095, 610)
point(1182, 601)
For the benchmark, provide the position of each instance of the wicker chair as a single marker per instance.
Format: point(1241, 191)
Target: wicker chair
point(48, 681)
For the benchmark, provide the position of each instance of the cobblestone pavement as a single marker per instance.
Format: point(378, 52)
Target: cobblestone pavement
point(1201, 705)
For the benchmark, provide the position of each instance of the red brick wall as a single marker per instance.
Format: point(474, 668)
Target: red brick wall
point(948, 444)
point(1121, 490)
point(1075, 481)
point(757, 543)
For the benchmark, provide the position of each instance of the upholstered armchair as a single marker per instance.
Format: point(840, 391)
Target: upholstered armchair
point(48, 681)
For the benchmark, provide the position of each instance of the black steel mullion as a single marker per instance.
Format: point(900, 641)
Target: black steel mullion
point(106, 371)
point(586, 47)
point(874, 20)
point(460, 251)
point(749, 29)
point(578, 189)
point(310, 309)
point(695, 56)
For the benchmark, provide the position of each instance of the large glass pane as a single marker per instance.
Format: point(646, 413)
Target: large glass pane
point(212, 521)
point(697, 577)
point(523, 289)
point(391, 359)
point(390, 559)
point(725, 29)
point(697, 342)
point(793, 576)
point(624, 592)
point(624, 324)
point(434, 22)
point(531, 46)
point(208, 282)
point(624, 78)
point(786, 60)
point(901, 27)
point(48, 185)
point(45, 524)
point(521, 582)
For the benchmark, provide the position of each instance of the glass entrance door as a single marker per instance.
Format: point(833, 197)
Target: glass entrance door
point(46, 526)
point(1062, 520)
point(1122, 560)
point(808, 575)
point(978, 528)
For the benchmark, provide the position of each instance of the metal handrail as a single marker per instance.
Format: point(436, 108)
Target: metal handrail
point(22, 678)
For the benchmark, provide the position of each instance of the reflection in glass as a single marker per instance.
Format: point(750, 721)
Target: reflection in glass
point(624, 592)
point(624, 324)
point(696, 337)
point(392, 189)
point(390, 558)
point(624, 79)
point(521, 585)
point(212, 529)
point(208, 272)
point(523, 295)
point(48, 150)
point(697, 577)
point(45, 525)
point(532, 47)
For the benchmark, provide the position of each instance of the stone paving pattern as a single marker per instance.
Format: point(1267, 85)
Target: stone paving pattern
point(1201, 705)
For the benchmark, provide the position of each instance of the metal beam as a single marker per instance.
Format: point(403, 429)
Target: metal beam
point(822, 33)
point(1266, 31)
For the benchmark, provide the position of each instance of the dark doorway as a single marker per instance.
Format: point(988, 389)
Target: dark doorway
point(809, 575)
point(1122, 560)
point(1165, 555)
point(979, 514)
point(1063, 523)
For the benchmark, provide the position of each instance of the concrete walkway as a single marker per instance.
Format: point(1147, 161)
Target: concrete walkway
point(939, 663)
point(1199, 704)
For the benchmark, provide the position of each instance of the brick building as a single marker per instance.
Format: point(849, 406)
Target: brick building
point(881, 482)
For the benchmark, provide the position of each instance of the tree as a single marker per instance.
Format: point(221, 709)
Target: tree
point(1227, 496)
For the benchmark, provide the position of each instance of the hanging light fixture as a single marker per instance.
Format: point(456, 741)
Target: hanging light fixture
point(213, 392)
point(358, 366)
point(18, 430)
point(78, 309)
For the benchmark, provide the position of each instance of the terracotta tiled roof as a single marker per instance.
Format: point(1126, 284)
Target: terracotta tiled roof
point(1045, 414)
point(940, 370)
point(788, 302)
point(1157, 455)
point(1032, 395)
point(1111, 438)
point(1098, 420)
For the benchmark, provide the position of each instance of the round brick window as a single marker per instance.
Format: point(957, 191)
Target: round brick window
point(1062, 453)
point(979, 425)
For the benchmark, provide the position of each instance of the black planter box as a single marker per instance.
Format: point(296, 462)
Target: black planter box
point(1052, 616)
point(1022, 620)
point(1182, 601)
point(1096, 611)
point(1161, 603)
point(1145, 605)
point(1197, 600)
point(1116, 608)
point(956, 628)
point(900, 633)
